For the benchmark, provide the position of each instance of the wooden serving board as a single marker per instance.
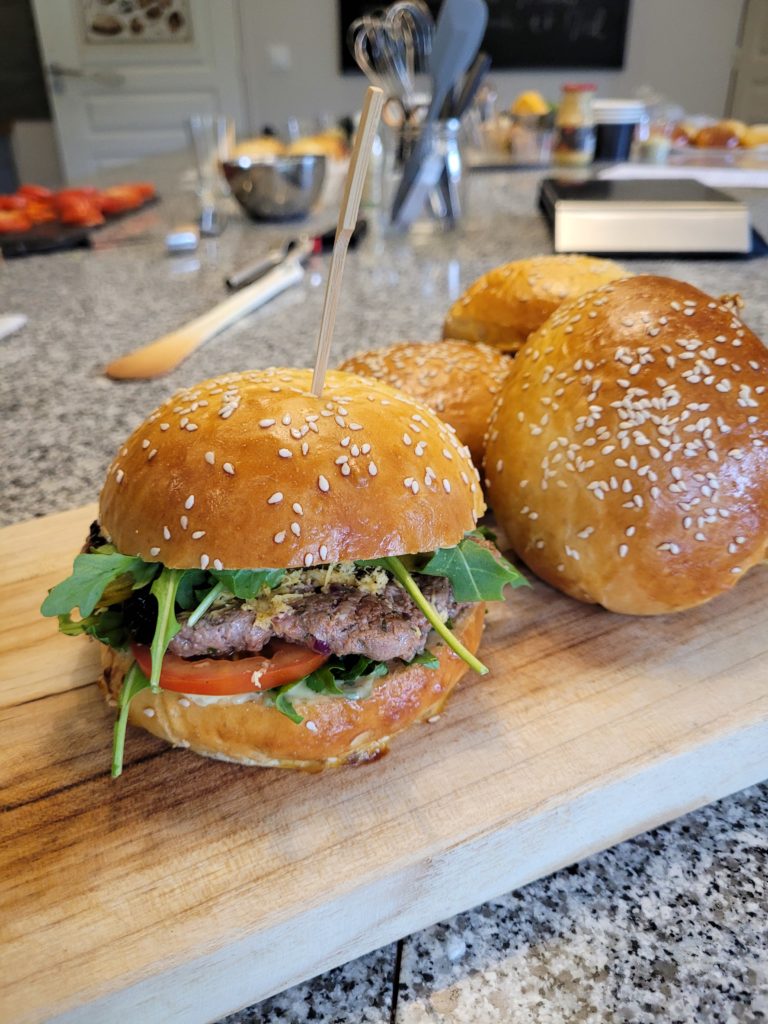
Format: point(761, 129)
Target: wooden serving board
point(189, 888)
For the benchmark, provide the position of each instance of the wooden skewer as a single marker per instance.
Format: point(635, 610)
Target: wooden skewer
point(350, 204)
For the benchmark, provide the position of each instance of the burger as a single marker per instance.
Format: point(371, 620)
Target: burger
point(505, 305)
point(457, 379)
point(282, 579)
point(627, 456)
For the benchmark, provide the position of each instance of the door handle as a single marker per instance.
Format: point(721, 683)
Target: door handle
point(59, 72)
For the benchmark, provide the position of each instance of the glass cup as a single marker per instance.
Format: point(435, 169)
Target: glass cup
point(444, 203)
point(212, 138)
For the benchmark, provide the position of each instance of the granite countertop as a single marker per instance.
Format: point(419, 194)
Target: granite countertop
point(669, 926)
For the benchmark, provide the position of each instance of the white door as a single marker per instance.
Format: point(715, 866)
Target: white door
point(748, 94)
point(124, 74)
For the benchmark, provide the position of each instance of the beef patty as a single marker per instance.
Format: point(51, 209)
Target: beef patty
point(342, 620)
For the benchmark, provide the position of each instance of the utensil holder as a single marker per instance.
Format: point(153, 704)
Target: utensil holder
point(445, 203)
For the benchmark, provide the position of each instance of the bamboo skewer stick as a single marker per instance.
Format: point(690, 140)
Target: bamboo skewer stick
point(350, 204)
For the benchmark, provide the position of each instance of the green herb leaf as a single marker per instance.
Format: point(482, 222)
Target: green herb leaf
point(284, 706)
point(248, 583)
point(106, 626)
point(426, 658)
point(134, 681)
point(167, 626)
point(91, 575)
point(192, 582)
point(475, 572)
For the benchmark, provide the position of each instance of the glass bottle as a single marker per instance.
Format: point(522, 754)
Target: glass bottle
point(575, 126)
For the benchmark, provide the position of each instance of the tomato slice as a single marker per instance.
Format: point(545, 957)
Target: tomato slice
point(13, 202)
point(34, 192)
point(14, 220)
point(218, 677)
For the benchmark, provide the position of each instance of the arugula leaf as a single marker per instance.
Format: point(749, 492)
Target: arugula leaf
point(475, 572)
point(248, 583)
point(91, 575)
point(134, 681)
point(205, 604)
point(426, 658)
point(106, 626)
point(191, 582)
point(348, 677)
point(284, 706)
point(395, 566)
point(167, 626)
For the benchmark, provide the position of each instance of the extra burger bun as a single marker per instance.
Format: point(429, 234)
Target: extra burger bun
point(251, 469)
point(458, 380)
point(505, 305)
point(334, 732)
point(259, 147)
point(756, 135)
point(627, 457)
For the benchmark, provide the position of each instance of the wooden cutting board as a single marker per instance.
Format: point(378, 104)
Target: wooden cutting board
point(189, 888)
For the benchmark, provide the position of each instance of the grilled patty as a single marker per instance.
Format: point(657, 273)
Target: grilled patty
point(342, 620)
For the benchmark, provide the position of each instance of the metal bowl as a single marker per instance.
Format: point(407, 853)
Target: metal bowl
point(276, 188)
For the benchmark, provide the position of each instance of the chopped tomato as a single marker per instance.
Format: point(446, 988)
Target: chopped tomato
point(14, 220)
point(40, 212)
point(88, 191)
point(145, 188)
point(34, 192)
point(79, 210)
point(13, 202)
point(221, 676)
point(119, 199)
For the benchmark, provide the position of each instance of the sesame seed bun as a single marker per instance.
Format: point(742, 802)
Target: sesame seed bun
point(627, 457)
point(252, 470)
point(458, 380)
point(334, 732)
point(505, 305)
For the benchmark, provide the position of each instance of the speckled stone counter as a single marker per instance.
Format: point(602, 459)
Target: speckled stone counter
point(668, 927)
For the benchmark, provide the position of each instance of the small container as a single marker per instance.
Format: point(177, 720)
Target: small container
point(575, 126)
point(619, 124)
point(444, 204)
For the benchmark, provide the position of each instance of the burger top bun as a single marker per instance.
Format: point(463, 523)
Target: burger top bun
point(458, 380)
point(627, 457)
point(252, 470)
point(505, 305)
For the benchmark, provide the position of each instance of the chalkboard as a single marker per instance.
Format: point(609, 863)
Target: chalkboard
point(532, 33)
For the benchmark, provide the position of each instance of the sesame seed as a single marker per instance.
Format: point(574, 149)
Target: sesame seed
point(184, 522)
point(204, 560)
point(149, 712)
point(284, 453)
point(197, 534)
point(166, 533)
point(165, 426)
point(323, 551)
point(297, 508)
point(145, 443)
point(210, 458)
point(356, 426)
point(154, 552)
point(308, 558)
point(275, 498)
point(218, 564)
point(447, 486)
point(152, 454)
point(189, 502)
point(119, 476)
point(229, 468)
point(279, 537)
point(623, 550)
point(304, 448)
point(295, 529)
point(323, 484)
point(287, 420)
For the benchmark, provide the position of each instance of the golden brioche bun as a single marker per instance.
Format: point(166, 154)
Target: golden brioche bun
point(503, 306)
point(264, 145)
point(627, 457)
point(331, 144)
point(717, 136)
point(251, 469)
point(334, 731)
point(457, 379)
point(756, 135)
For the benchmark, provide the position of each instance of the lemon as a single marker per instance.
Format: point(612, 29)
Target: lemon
point(530, 103)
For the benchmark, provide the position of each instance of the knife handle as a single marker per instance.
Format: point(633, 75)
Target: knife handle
point(167, 352)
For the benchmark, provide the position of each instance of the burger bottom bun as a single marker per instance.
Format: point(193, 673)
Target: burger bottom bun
point(334, 731)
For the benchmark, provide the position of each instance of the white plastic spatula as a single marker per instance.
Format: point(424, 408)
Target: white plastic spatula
point(458, 34)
